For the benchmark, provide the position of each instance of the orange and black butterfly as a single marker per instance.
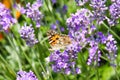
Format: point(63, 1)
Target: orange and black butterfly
point(58, 41)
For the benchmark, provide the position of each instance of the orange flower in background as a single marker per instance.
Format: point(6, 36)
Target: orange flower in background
point(1, 36)
point(17, 14)
point(8, 4)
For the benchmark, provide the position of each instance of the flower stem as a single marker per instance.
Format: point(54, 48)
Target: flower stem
point(117, 76)
point(32, 66)
point(52, 13)
point(111, 31)
point(16, 51)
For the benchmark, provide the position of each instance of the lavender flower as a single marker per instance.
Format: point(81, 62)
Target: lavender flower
point(65, 61)
point(53, 26)
point(32, 11)
point(6, 20)
point(22, 75)
point(99, 9)
point(114, 10)
point(111, 48)
point(111, 44)
point(79, 37)
point(81, 2)
point(80, 25)
point(62, 29)
point(27, 33)
point(64, 9)
point(80, 20)
point(83, 31)
point(94, 53)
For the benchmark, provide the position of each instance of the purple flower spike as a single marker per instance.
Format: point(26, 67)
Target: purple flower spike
point(22, 75)
point(94, 53)
point(32, 11)
point(111, 48)
point(64, 62)
point(99, 10)
point(114, 10)
point(27, 33)
point(80, 20)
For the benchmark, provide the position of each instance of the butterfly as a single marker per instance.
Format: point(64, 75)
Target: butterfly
point(58, 41)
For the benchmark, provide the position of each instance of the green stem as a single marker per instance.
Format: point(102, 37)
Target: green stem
point(117, 76)
point(65, 77)
point(97, 75)
point(32, 66)
point(42, 65)
point(16, 52)
point(52, 13)
point(40, 62)
point(111, 31)
point(9, 67)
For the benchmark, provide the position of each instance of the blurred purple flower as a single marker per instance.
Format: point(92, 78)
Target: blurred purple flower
point(81, 2)
point(114, 10)
point(27, 33)
point(22, 75)
point(54, 1)
point(62, 29)
point(99, 10)
point(32, 11)
point(53, 26)
point(78, 71)
point(6, 19)
point(65, 61)
point(64, 9)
